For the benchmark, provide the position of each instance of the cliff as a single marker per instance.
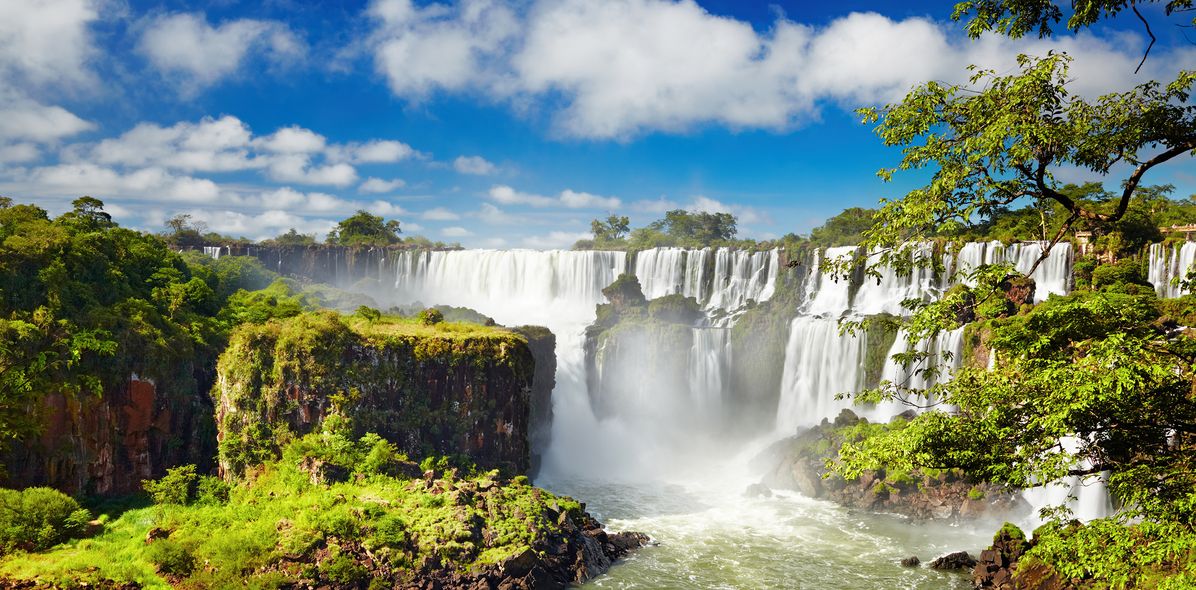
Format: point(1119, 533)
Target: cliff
point(443, 389)
point(106, 444)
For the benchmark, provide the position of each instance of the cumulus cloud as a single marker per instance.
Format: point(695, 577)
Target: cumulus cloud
point(448, 46)
point(290, 154)
point(614, 69)
point(455, 232)
point(476, 165)
point(440, 214)
point(567, 198)
point(186, 46)
point(492, 215)
point(45, 42)
point(743, 213)
point(378, 185)
point(22, 118)
point(258, 226)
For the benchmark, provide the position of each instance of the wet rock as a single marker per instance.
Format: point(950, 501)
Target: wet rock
point(757, 490)
point(958, 560)
point(911, 561)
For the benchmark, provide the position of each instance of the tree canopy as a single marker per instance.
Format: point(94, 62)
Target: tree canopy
point(364, 229)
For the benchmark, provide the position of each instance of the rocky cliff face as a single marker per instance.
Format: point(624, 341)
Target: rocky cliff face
point(105, 445)
point(444, 391)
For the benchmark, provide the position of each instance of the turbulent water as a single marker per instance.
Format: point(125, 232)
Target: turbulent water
point(642, 466)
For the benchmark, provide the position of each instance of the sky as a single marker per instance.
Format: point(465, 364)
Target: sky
point(493, 123)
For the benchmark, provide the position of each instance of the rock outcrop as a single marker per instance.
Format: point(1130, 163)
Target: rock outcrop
point(430, 390)
point(799, 463)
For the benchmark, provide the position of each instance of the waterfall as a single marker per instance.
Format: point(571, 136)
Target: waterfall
point(213, 251)
point(827, 294)
point(884, 295)
point(1167, 265)
point(740, 275)
point(944, 352)
point(663, 271)
point(707, 358)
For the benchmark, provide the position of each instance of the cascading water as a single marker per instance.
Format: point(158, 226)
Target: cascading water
point(1169, 265)
point(646, 460)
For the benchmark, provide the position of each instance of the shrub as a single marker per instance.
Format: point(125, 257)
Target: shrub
point(212, 490)
point(176, 487)
point(675, 308)
point(1127, 271)
point(367, 313)
point(431, 317)
point(975, 494)
point(170, 558)
point(36, 519)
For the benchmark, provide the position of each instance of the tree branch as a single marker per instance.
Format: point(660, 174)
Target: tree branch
point(1148, 32)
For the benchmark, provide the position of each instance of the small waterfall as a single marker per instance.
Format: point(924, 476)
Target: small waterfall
point(821, 363)
point(708, 358)
point(825, 294)
point(1087, 496)
point(884, 295)
point(663, 271)
point(213, 251)
point(1167, 265)
point(944, 353)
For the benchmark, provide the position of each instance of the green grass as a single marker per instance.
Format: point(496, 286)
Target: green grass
point(389, 325)
point(278, 527)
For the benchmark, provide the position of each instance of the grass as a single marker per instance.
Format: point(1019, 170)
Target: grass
point(279, 528)
point(389, 325)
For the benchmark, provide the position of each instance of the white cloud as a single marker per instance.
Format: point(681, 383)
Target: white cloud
point(184, 45)
point(476, 165)
point(380, 151)
point(412, 227)
point(18, 153)
point(439, 46)
point(98, 181)
point(25, 119)
point(493, 243)
point(492, 215)
point(378, 185)
point(556, 239)
point(455, 232)
point(440, 214)
point(292, 140)
point(211, 145)
point(576, 200)
point(299, 168)
point(567, 198)
point(614, 69)
point(45, 42)
point(385, 208)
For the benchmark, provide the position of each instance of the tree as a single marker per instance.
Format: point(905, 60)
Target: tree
point(1096, 381)
point(845, 229)
point(185, 232)
point(89, 212)
point(612, 229)
point(364, 229)
point(697, 228)
point(292, 238)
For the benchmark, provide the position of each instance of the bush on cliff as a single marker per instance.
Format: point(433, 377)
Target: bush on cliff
point(36, 519)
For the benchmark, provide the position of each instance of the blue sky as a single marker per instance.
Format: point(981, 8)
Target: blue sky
point(493, 123)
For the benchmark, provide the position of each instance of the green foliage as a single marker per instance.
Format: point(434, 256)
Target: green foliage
point(291, 238)
point(170, 558)
point(178, 486)
point(85, 303)
point(845, 229)
point(1017, 18)
point(1107, 553)
point(609, 233)
point(675, 308)
point(1096, 366)
point(280, 530)
point(36, 519)
point(368, 314)
point(364, 229)
point(1125, 271)
point(431, 316)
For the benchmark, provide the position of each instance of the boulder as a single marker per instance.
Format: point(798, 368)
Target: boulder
point(911, 561)
point(757, 490)
point(958, 560)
